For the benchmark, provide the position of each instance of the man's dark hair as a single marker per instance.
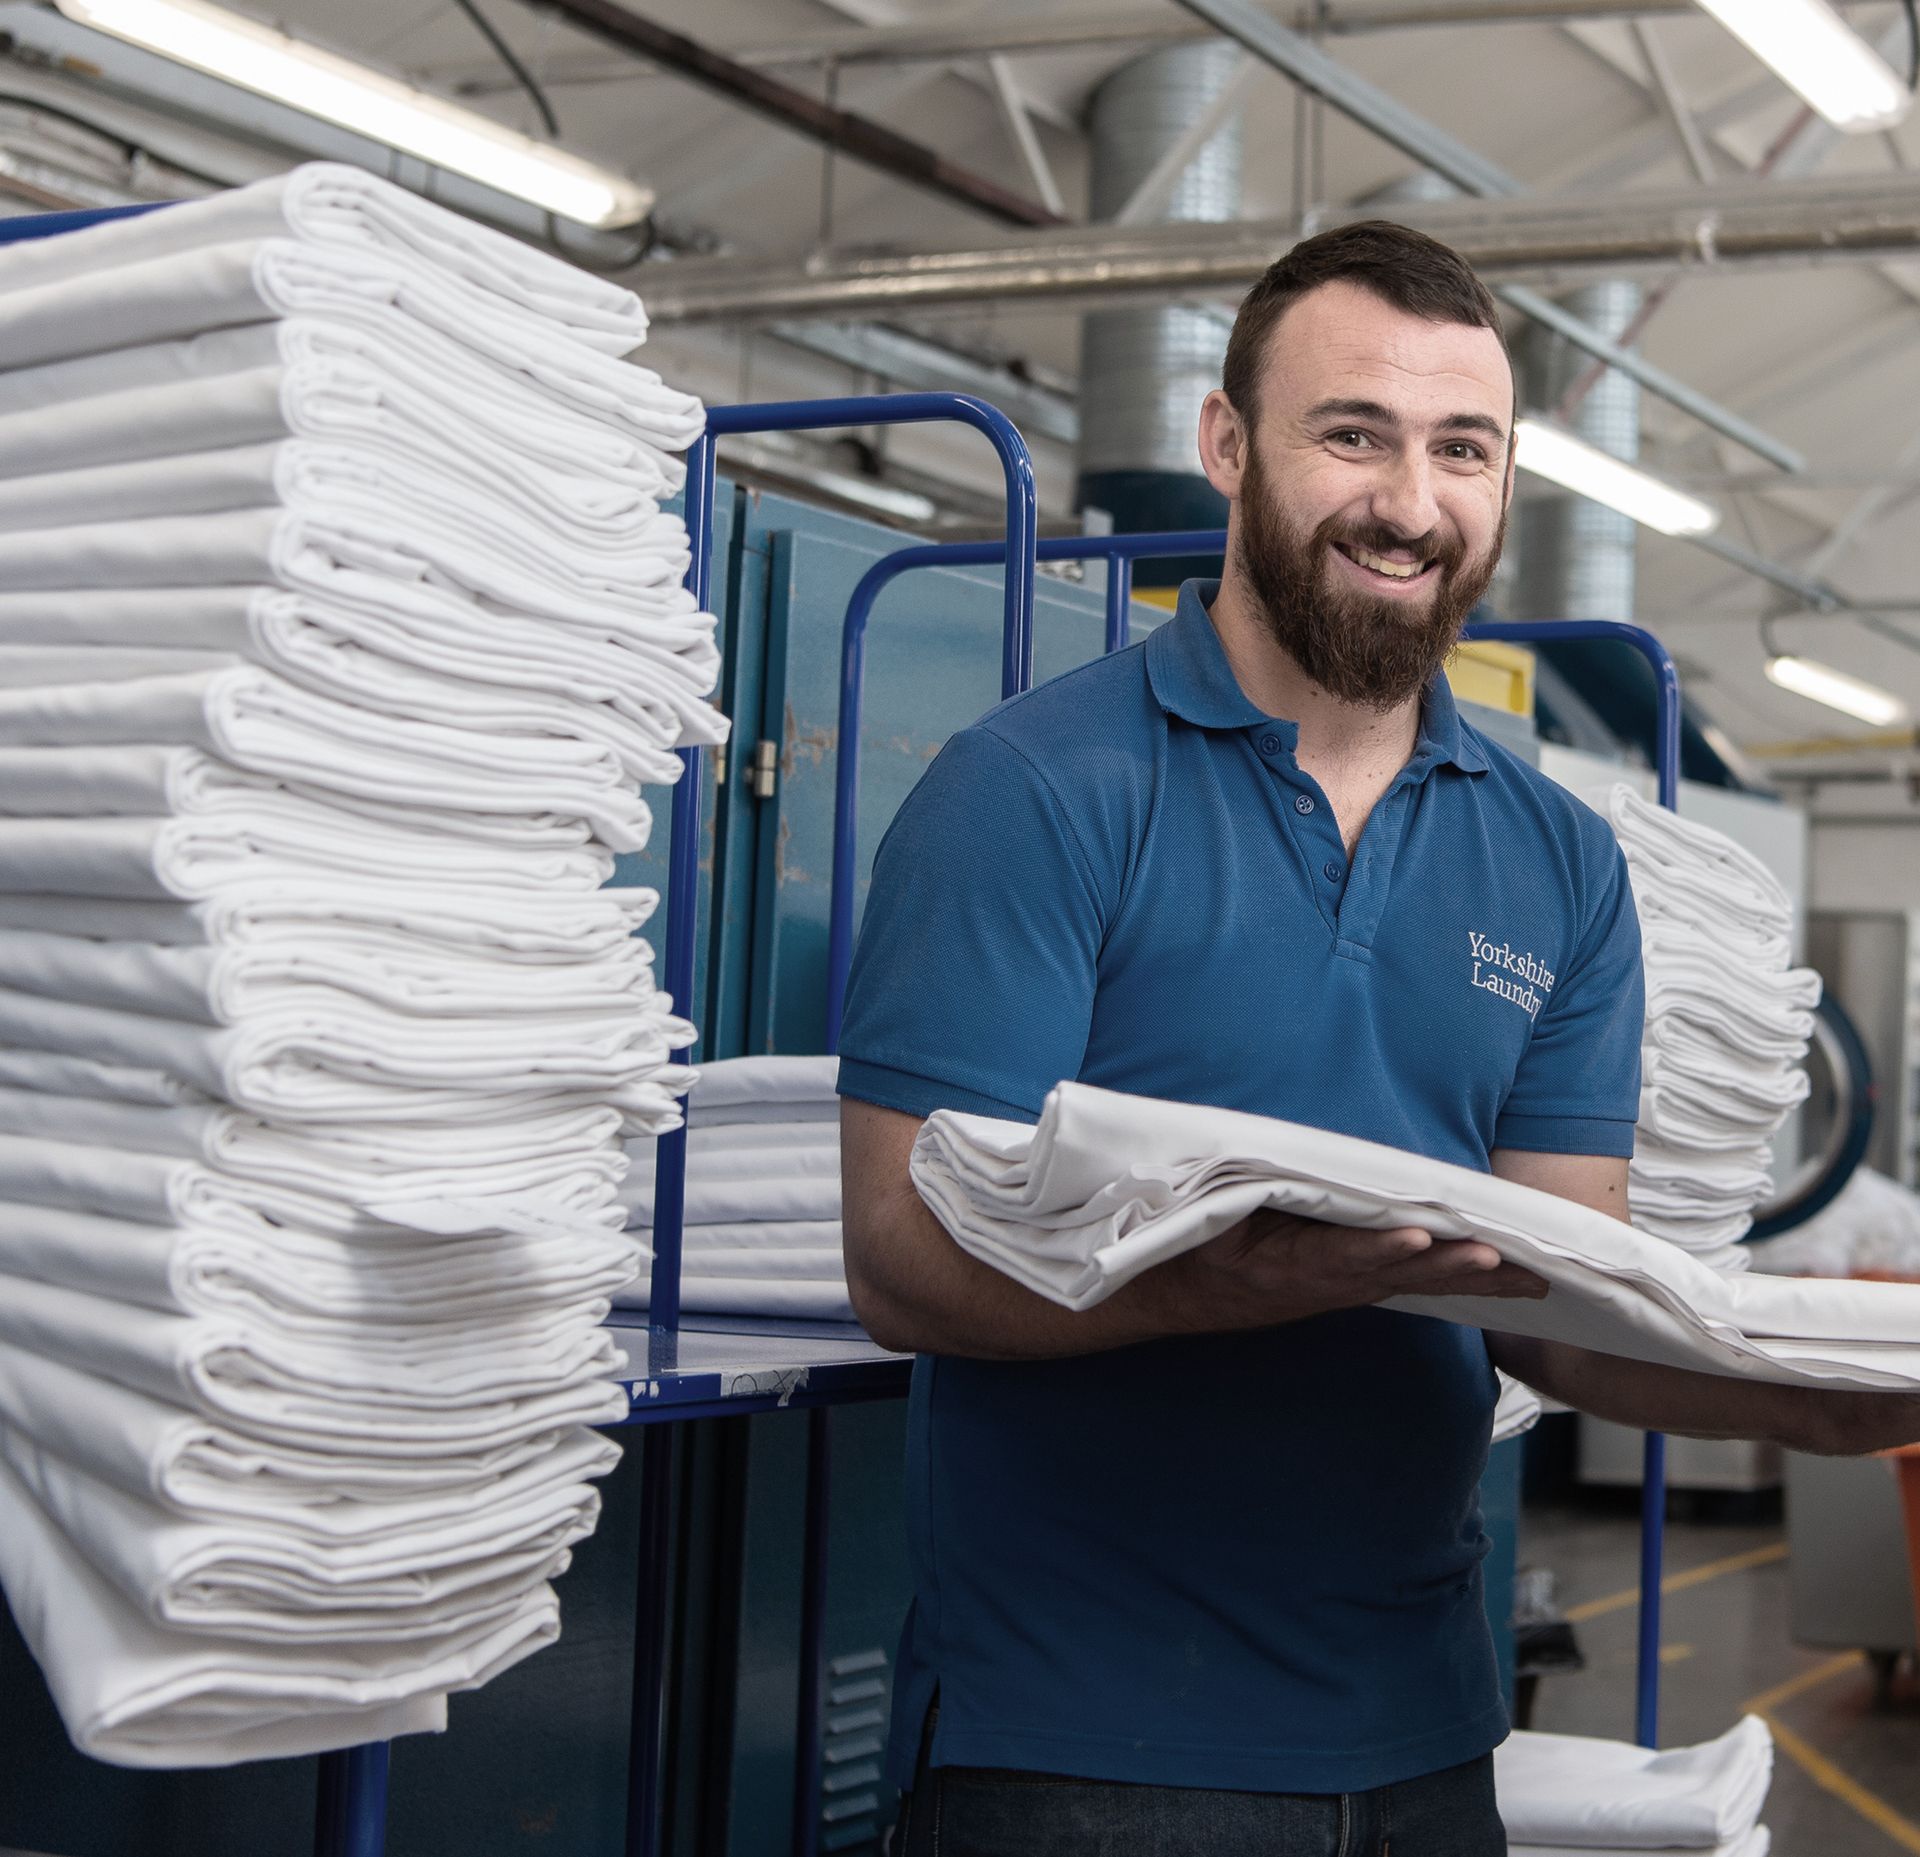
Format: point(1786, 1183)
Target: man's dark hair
point(1395, 263)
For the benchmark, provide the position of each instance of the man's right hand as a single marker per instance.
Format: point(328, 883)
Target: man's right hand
point(1274, 1267)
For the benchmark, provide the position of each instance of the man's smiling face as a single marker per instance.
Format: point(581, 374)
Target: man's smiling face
point(1371, 502)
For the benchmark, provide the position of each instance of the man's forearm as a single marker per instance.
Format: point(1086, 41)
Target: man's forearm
point(1668, 1399)
point(944, 1301)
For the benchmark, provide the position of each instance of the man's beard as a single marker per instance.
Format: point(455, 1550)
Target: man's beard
point(1375, 651)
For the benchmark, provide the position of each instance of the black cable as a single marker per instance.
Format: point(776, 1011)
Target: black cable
point(1913, 44)
point(644, 243)
point(511, 59)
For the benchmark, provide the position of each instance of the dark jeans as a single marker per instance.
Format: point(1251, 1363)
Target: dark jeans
point(989, 1812)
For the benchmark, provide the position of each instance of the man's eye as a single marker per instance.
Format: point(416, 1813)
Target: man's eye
point(1353, 440)
point(1461, 448)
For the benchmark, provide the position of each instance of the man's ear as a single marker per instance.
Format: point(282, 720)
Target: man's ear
point(1224, 442)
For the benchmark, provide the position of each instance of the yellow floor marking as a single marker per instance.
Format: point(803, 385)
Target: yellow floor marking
point(1679, 1582)
point(1844, 1787)
point(1675, 1653)
point(1810, 1678)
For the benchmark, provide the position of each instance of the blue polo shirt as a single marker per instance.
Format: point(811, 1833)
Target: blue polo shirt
point(1253, 1560)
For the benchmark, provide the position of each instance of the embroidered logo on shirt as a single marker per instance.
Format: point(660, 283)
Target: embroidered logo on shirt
point(1500, 968)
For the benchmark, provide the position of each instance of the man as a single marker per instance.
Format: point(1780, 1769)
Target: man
point(1197, 1570)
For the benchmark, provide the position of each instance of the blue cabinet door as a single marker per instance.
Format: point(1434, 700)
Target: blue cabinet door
point(933, 665)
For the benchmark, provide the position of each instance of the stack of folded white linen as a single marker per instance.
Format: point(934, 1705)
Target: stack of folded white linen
point(762, 1227)
point(1871, 1228)
point(1516, 1411)
point(1728, 1020)
point(1106, 1185)
point(1563, 1793)
point(339, 625)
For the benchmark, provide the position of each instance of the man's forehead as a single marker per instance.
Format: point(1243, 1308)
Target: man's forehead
point(1341, 342)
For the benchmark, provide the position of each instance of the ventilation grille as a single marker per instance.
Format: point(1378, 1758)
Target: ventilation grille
point(854, 1804)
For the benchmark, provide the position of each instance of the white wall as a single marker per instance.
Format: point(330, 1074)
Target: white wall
point(1866, 865)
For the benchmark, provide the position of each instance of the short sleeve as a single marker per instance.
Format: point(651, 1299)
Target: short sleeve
point(1577, 1090)
point(973, 977)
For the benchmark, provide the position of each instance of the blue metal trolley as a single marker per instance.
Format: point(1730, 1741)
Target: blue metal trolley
point(1123, 551)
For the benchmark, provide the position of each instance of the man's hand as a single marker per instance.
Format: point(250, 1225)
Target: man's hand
point(1274, 1267)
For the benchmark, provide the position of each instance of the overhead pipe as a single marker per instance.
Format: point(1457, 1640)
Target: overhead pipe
point(1556, 242)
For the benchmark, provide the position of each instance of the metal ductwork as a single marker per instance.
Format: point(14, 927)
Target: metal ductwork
point(1576, 556)
point(1556, 243)
point(1144, 371)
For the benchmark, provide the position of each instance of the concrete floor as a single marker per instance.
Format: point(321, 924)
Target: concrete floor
point(1846, 1774)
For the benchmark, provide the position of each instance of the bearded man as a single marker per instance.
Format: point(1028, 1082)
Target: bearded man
point(1198, 1570)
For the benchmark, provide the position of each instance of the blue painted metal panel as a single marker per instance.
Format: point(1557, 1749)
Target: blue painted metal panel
point(933, 666)
point(1500, 1515)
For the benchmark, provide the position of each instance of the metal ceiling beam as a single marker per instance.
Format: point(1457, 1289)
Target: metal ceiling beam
point(1013, 34)
point(857, 136)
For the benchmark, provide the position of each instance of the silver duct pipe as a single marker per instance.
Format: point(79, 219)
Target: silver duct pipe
point(1576, 556)
point(1550, 242)
point(1144, 372)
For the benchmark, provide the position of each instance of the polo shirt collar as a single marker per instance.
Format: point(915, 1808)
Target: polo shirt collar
point(1191, 678)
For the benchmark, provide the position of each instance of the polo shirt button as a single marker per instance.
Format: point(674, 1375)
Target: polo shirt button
point(1303, 803)
point(1332, 868)
point(1271, 744)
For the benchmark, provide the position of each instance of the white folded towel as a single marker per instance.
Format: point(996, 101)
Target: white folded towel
point(1606, 1795)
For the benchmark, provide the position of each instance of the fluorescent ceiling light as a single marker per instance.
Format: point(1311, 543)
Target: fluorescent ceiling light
point(265, 60)
point(1816, 53)
point(1552, 452)
point(1865, 701)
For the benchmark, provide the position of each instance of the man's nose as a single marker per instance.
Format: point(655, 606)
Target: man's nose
point(1403, 495)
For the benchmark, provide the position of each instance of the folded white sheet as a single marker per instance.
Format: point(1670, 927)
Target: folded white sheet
point(394, 367)
point(541, 927)
point(137, 1695)
point(1607, 1795)
point(263, 723)
point(1516, 1412)
point(408, 650)
point(801, 1299)
point(196, 856)
point(371, 555)
point(767, 1081)
point(1757, 1843)
point(324, 1056)
point(351, 211)
point(728, 1197)
point(197, 1466)
point(1107, 1185)
point(308, 1396)
point(264, 1582)
point(312, 1283)
point(223, 986)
